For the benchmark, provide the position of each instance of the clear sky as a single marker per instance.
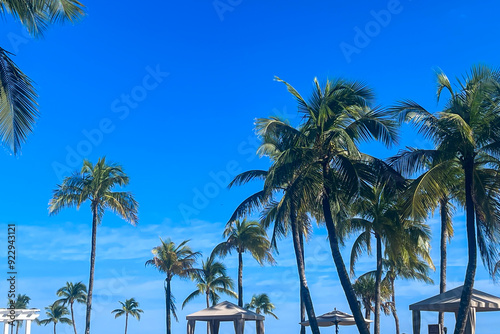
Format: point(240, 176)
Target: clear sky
point(170, 91)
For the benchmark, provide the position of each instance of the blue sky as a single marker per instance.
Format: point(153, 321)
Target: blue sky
point(171, 91)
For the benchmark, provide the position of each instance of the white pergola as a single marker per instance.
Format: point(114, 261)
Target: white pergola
point(27, 315)
point(449, 301)
point(225, 311)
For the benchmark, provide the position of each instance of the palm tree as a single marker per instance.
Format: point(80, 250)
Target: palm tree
point(173, 260)
point(55, 314)
point(365, 290)
point(95, 183)
point(413, 268)
point(20, 303)
point(261, 304)
point(287, 213)
point(18, 104)
point(336, 118)
point(378, 216)
point(211, 280)
point(72, 293)
point(129, 307)
point(243, 236)
point(467, 140)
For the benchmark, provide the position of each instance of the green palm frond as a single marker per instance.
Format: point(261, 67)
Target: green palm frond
point(18, 106)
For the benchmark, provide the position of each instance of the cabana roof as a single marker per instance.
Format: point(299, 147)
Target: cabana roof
point(449, 301)
point(224, 311)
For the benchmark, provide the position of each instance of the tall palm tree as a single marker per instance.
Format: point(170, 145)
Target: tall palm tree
point(466, 135)
point(288, 212)
point(245, 236)
point(18, 106)
point(211, 280)
point(336, 118)
point(56, 314)
point(173, 260)
point(96, 184)
point(261, 304)
point(20, 303)
point(129, 307)
point(70, 294)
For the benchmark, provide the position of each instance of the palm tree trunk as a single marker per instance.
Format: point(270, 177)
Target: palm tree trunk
point(472, 248)
point(55, 323)
point(126, 322)
point(302, 304)
point(394, 310)
point(92, 268)
point(378, 280)
point(208, 322)
point(73, 317)
point(17, 327)
point(339, 262)
point(167, 305)
point(442, 266)
point(240, 279)
point(304, 289)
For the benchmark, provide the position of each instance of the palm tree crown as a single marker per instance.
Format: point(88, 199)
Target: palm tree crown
point(243, 236)
point(130, 307)
point(261, 304)
point(56, 314)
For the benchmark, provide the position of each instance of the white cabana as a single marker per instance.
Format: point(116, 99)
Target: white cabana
point(27, 315)
point(449, 301)
point(225, 311)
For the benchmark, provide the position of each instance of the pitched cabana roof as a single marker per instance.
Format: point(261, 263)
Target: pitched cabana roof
point(449, 301)
point(224, 311)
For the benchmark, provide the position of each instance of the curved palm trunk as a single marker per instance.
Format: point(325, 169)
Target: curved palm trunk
point(168, 306)
point(302, 304)
point(442, 266)
point(304, 289)
point(472, 249)
point(73, 317)
point(126, 322)
point(378, 280)
point(240, 279)
point(92, 268)
point(339, 262)
point(394, 310)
